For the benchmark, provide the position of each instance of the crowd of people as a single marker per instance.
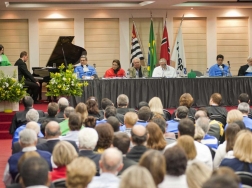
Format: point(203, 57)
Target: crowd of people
point(120, 147)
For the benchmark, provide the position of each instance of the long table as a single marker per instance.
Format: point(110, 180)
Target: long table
point(167, 89)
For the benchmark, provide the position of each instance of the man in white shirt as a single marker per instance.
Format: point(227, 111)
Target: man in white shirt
point(164, 70)
point(110, 164)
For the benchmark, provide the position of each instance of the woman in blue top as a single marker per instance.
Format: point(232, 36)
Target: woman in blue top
point(219, 69)
point(85, 70)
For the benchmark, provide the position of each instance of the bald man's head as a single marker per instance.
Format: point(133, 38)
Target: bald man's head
point(52, 130)
point(111, 161)
point(139, 135)
point(200, 113)
point(34, 126)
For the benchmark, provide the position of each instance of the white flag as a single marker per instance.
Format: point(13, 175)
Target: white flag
point(178, 54)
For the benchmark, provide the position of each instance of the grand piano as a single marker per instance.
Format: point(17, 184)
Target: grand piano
point(64, 52)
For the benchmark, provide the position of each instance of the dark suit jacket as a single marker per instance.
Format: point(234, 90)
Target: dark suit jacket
point(242, 70)
point(126, 164)
point(41, 120)
point(49, 145)
point(20, 119)
point(23, 71)
point(123, 111)
point(60, 114)
point(136, 152)
point(93, 156)
point(17, 148)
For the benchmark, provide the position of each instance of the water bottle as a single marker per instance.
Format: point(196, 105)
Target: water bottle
point(207, 73)
point(137, 74)
point(127, 74)
point(185, 72)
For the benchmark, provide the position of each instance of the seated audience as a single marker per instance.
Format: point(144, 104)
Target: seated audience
point(80, 172)
point(138, 69)
point(93, 109)
point(156, 139)
point(221, 181)
point(244, 97)
point(181, 113)
point(156, 108)
point(135, 177)
point(244, 109)
point(154, 161)
point(122, 104)
point(227, 172)
point(242, 158)
point(114, 122)
point(52, 110)
point(110, 164)
point(63, 154)
point(122, 142)
point(115, 71)
point(20, 117)
point(130, 119)
point(187, 144)
point(16, 147)
point(63, 103)
point(75, 126)
point(88, 138)
point(139, 137)
point(105, 137)
point(208, 140)
point(64, 128)
point(223, 149)
point(197, 174)
point(82, 109)
point(141, 104)
point(52, 135)
point(176, 162)
point(90, 121)
point(144, 116)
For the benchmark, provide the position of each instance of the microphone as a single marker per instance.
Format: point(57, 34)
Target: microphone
point(228, 62)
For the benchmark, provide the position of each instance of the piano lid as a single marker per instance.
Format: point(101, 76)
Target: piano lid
point(72, 52)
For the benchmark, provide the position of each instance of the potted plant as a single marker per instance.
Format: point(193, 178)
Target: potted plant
point(65, 83)
point(11, 90)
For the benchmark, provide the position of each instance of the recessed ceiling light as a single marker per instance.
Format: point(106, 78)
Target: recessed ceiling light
point(192, 8)
point(7, 4)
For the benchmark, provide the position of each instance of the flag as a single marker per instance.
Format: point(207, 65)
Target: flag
point(165, 46)
point(152, 54)
point(178, 54)
point(135, 47)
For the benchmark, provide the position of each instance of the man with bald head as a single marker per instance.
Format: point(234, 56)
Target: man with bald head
point(137, 68)
point(110, 164)
point(139, 137)
point(52, 134)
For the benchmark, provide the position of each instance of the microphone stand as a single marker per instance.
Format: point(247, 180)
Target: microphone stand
point(65, 61)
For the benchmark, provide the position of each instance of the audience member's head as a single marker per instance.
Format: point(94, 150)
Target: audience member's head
point(32, 115)
point(121, 141)
point(43, 126)
point(111, 161)
point(203, 122)
point(244, 97)
point(197, 174)
point(26, 156)
point(137, 177)
point(215, 99)
point(230, 135)
point(105, 102)
point(182, 112)
point(52, 130)
point(186, 127)
point(199, 134)
point(160, 122)
point(200, 113)
point(141, 104)
point(187, 143)
point(223, 170)
point(74, 121)
point(114, 122)
point(27, 137)
point(122, 101)
point(234, 115)
point(139, 135)
point(244, 108)
point(34, 126)
point(186, 100)
point(242, 146)
point(67, 111)
point(130, 119)
point(93, 98)
point(221, 181)
point(92, 106)
point(105, 136)
point(28, 101)
point(63, 103)
point(34, 171)
point(176, 161)
point(110, 111)
point(156, 105)
point(144, 113)
point(154, 161)
point(156, 139)
point(88, 138)
point(63, 153)
point(241, 124)
point(82, 109)
point(80, 172)
point(90, 121)
point(52, 109)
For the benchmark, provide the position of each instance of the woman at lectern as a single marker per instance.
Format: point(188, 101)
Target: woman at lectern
point(115, 71)
point(4, 61)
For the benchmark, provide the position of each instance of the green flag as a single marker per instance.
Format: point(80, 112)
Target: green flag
point(152, 54)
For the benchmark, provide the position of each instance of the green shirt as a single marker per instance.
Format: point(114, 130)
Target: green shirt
point(5, 61)
point(64, 128)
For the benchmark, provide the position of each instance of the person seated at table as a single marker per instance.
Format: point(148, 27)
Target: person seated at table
point(84, 70)
point(164, 70)
point(219, 69)
point(115, 71)
point(4, 61)
point(246, 70)
point(137, 67)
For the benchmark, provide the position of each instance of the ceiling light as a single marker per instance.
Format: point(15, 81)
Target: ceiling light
point(7, 4)
point(146, 3)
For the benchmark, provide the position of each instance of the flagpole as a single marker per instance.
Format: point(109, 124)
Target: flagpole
point(182, 19)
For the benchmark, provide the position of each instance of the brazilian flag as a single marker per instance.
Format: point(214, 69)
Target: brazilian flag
point(152, 54)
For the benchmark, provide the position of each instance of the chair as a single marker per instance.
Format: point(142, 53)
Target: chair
point(167, 114)
point(219, 118)
point(246, 177)
point(60, 183)
point(198, 73)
